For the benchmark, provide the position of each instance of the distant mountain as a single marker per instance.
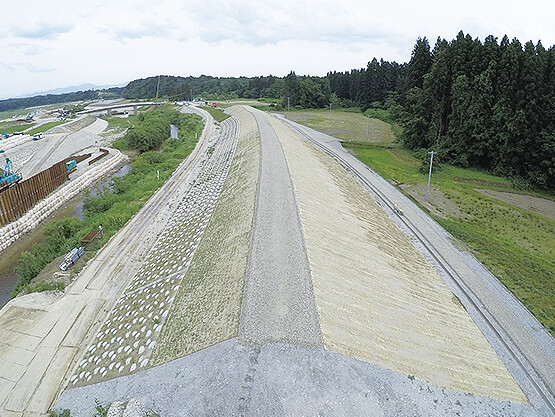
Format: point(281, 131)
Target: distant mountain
point(72, 89)
point(49, 98)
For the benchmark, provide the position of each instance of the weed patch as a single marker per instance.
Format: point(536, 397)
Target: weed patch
point(217, 114)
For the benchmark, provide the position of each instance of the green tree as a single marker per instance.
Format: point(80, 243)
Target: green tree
point(420, 63)
point(291, 91)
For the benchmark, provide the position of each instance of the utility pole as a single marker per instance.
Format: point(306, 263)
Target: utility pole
point(367, 125)
point(330, 109)
point(288, 104)
point(430, 174)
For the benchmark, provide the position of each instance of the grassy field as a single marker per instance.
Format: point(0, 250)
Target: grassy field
point(349, 126)
point(44, 127)
point(11, 113)
point(516, 245)
point(15, 126)
point(120, 123)
point(217, 114)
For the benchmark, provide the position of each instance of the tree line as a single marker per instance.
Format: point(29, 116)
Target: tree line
point(42, 100)
point(489, 105)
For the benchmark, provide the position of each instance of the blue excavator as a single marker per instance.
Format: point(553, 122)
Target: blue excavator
point(8, 176)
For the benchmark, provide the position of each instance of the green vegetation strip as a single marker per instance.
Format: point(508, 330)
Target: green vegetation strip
point(11, 127)
point(217, 114)
point(44, 127)
point(112, 208)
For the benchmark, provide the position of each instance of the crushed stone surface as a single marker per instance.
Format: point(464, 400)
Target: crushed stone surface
point(278, 301)
point(231, 379)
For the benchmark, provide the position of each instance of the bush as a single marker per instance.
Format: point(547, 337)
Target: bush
point(47, 286)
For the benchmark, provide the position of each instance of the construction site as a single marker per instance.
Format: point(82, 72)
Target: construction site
point(272, 274)
point(41, 172)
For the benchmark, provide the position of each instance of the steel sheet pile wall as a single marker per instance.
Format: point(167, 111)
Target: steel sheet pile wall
point(17, 199)
point(102, 155)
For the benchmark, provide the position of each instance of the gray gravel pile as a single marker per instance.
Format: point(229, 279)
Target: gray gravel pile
point(278, 303)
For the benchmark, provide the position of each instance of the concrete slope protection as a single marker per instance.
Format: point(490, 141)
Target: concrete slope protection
point(383, 335)
point(127, 338)
point(42, 335)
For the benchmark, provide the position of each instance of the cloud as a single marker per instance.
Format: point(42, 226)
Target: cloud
point(26, 66)
point(42, 30)
point(137, 31)
point(108, 40)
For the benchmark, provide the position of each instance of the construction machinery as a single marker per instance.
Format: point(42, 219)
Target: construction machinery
point(8, 176)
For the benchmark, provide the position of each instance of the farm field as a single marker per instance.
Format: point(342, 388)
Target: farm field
point(517, 245)
point(349, 126)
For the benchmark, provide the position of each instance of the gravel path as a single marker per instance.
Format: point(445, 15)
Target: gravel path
point(282, 380)
point(278, 302)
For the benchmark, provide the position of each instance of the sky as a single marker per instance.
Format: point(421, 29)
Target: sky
point(60, 43)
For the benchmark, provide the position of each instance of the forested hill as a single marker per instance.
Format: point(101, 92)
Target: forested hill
point(42, 100)
point(486, 104)
point(188, 88)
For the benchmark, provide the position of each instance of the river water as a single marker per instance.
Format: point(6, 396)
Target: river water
point(10, 256)
point(174, 132)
